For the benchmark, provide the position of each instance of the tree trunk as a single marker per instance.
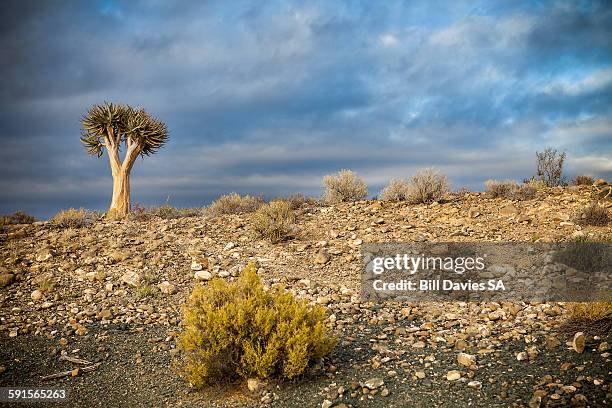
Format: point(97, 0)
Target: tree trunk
point(120, 203)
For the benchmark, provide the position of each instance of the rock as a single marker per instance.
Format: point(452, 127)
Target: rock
point(229, 245)
point(466, 359)
point(551, 342)
point(44, 255)
point(420, 374)
point(453, 375)
point(473, 212)
point(131, 279)
point(166, 288)
point(603, 346)
point(36, 295)
point(475, 385)
point(203, 275)
point(522, 356)
point(535, 401)
point(195, 266)
point(384, 392)
point(578, 342)
point(322, 257)
point(508, 211)
point(600, 182)
point(374, 383)
point(253, 384)
point(326, 404)
point(6, 279)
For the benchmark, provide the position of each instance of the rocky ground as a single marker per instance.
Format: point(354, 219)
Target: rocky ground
point(102, 304)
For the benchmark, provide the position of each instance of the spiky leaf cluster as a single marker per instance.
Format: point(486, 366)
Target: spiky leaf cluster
point(110, 124)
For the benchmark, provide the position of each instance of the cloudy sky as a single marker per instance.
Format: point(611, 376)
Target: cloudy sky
point(267, 97)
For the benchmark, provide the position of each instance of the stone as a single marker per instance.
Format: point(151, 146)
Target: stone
point(322, 257)
point(203, 275)
point(551, 342)
point(420, 374)
point(603, 346)
point(508, 210)
point(578, 342)
point(6, 279)
point(466, 359)
point(473, 212)
point(384, 392)
point(522, 356)
point(36, 295)
point(453, 375)
point(131, 279)
point(196, 266)
point(326, 403)
point(167, 288)
point(253, 384)
point(475, 385)
point(600, 182)
point(374, 383)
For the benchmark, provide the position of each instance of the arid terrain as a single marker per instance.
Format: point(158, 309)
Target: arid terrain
point(111, 294)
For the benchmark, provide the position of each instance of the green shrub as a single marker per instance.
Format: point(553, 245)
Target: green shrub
point(18, 217)
point(427, 185)
point(274, 221)
point(593, 214)
point(235, 204)
point(583, 181)
point(72, 218)
point(240, 329)
point(344, 186)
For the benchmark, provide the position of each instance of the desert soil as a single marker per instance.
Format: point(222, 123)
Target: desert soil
point(111, 293)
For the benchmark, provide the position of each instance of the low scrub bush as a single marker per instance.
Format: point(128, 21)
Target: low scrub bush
point(240, 329)
point(166, 211)
point(344, 186)
point(235, 204)
point(590, 316)
point(396, 190)
point(18, 217)
point(593, 214)
point(274, 221)
point(583, 181)
point(511, 190)
point(426, 186)
point(72, 218)
point(298, 200)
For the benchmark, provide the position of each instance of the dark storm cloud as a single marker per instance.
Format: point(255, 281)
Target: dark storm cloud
point(269, 97)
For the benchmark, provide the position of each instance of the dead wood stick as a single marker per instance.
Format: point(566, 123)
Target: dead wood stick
point(75, 360)
point(69, 373)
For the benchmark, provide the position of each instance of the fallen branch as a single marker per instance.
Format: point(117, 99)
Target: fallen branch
point(75, 360)
point(71, 372)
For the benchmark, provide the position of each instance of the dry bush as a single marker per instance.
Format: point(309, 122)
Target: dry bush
point(511, 190)
point(583, 181)
point(593, 214)
point(240, 329)
point(550, 167)
point(235, 204)
point(298, 200)
point(344, 186)
point(72, 218)
point(592, 316)
point(18, 217)
point(427, 185)
point(396, 190)
point(274, 221)
point(166, 211)
point(501, 189)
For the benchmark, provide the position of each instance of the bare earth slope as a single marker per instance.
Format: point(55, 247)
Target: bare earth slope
point(93, 293)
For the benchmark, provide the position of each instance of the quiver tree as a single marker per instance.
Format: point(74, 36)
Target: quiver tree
point(113, 127)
